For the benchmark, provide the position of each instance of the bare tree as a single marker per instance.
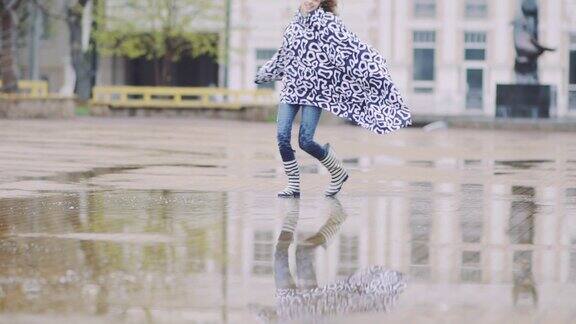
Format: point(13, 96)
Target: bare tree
point(9, 23)
point(80, 23)
point(77, 14)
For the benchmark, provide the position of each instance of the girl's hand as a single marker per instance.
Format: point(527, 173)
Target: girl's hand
point(309, 5)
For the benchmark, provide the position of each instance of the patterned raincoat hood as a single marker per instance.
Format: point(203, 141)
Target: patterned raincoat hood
point(322, 63)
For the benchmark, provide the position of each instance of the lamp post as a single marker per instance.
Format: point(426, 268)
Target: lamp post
point(226, 63)
point(33, 41)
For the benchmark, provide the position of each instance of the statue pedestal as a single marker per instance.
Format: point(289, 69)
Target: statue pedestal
point(524, 100)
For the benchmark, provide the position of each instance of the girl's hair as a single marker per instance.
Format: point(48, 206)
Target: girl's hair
point(329, 5)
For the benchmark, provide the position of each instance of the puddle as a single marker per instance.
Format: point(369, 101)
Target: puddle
point(169, 256)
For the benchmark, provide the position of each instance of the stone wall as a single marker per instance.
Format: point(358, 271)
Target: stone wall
point(18, 107)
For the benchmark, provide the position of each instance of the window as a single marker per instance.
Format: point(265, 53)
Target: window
point(475, 46)
point(522, 215)
point(424, 56)
point(265, 54)
point(425, 8)
point(474, 51)
point(471, 212)
point(263, 251)
point(572, 74)
point(476, 9)
point(471, 268)
point(424, 64)
point(262, 56)
point(474, 88)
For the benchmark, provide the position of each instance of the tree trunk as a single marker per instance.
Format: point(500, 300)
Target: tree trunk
point(81, 59)
point(166, 79)
point(157, 71)
point(8, 66)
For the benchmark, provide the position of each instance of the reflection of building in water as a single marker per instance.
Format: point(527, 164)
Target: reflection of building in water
point(348, 254)
point(471, 214)
point(263, 251)
point(420, 229)
point(132, 252)
point(446, 56)
point(491, 235)
point(522, 213)
point(521, 232)
point(571, 214)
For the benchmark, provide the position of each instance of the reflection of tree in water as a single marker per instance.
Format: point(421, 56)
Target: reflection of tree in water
point(197, 249)
point(35, 272)
point(53, 272)
point(156, 257)
point(5, 210)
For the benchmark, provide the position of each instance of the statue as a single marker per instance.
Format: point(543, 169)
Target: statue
point(528, 48)
point(526, 98)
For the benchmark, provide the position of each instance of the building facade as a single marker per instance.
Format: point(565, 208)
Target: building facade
point(447, 56)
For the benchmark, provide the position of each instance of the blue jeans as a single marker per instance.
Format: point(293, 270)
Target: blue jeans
point(310, 118)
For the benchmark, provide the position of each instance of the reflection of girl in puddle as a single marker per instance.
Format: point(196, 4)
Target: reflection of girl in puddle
point(373, 289)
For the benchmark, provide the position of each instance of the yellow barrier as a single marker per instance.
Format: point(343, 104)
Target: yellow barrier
point(32, 88)
point(179, 97)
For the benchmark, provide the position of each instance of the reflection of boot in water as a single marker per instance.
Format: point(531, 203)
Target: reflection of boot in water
point(281, 258)
point(305, 266)
point(305, 257)
point(373, 289)
point(329, 230)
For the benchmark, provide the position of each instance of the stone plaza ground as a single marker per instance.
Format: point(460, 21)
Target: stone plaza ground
point(131, 220)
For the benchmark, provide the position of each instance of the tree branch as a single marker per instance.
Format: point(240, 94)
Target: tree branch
point(13, 4)
point(47, 11)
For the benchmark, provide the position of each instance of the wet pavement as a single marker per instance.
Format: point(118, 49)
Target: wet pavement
point(176, 221)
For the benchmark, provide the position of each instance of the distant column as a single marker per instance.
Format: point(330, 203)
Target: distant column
point(496, 229)
point(448, 74)
point(444, 229)
point(552, 72)
point(546, 259)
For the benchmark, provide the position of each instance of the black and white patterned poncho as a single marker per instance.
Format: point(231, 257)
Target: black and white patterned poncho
point(322, 63)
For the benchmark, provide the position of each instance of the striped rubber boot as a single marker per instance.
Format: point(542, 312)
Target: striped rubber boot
point(337, 172)
point(293, 172)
